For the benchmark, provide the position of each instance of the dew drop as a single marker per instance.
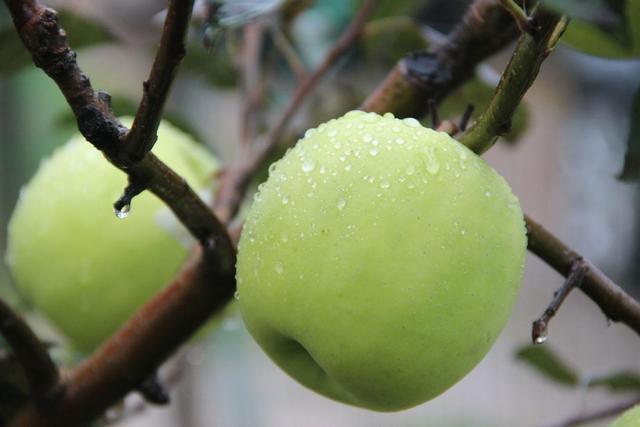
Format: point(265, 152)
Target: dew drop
point(371, 118)
point(411, 122)
point(433, 166)
point(341, 203)
point(308, 165)
point(279, 268)
point(123, 212)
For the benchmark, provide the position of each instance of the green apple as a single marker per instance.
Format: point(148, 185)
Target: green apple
point(380, 261)
point(83, 267)
point(631, 418)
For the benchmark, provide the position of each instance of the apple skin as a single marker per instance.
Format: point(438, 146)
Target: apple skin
point(380, 261)
point(631, 418)
point(80, 265)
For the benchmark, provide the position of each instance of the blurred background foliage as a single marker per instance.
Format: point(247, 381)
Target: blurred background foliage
point(572, 156)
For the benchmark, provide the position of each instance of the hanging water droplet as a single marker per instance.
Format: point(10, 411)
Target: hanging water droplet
point(308, 165)
point(279, 268)
point(542, 337)
point(123, 212)
point(341, 203)
point(236, 295)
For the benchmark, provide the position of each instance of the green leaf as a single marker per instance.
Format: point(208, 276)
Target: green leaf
point(81, 32)
point(609, 29)
point(631, 168)
point(548, 364)
point(386, 40)
point(624, 381)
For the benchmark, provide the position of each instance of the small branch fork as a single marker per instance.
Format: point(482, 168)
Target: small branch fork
point(574, 279)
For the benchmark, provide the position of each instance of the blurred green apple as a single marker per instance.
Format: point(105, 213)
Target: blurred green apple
point(380, 261)
point(631, 418)
point(80, 265)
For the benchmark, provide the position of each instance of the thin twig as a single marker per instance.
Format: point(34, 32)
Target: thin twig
point(519, 15)
point(614, 302)
point(599, 414)
point(143, 134)
point(574, 279)
point(532, 48)
point(252, 87)
point(235, 180)
point(40, 371)
point(289, 53)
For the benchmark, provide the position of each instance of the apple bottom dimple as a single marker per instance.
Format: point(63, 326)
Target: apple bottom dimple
point(376, 364)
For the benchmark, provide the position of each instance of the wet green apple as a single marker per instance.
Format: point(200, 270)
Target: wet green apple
point(380, 261)
point(630, 418)
point(79, 264)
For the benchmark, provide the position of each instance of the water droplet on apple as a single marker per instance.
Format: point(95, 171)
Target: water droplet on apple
point(279, 268)
point(341, 203)
point(285, 200)
point(384, 184)
point(373, 152)
point(367, 137)
point(411, 170)
point(236, 295)
point(308, 165)
point(411, 122)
